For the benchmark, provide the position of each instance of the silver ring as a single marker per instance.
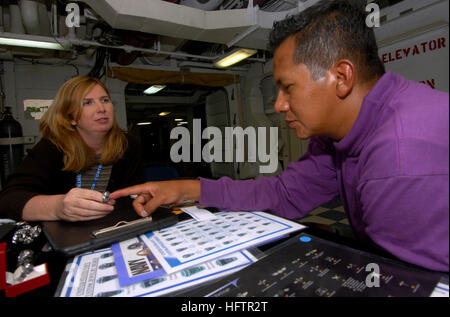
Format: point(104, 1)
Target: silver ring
point(105, 197)
point(25, 256)
point(23, 270)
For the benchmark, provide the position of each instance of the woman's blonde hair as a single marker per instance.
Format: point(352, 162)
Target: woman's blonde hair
point(56, 126)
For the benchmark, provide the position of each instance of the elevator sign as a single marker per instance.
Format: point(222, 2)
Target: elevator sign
point(422, 58)
point(416, 49)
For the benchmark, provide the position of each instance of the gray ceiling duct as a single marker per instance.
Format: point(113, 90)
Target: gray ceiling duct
point(206, 5)
point(35, 17)
point(241, 27)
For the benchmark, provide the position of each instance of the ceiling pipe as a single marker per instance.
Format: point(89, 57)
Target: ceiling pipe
point(2, 29)
point(167, 44)
point(44, 19)
point(171, 44)
point(129, 48)
point(16, 19)
point(67, 42)
point(210, 66)
point(30, 16)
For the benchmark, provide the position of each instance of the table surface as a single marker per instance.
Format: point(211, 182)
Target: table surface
point(57, 262)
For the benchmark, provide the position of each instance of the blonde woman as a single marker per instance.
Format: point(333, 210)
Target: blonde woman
point(82, 153)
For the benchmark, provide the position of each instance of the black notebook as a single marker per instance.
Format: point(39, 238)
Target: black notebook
point(72, 238)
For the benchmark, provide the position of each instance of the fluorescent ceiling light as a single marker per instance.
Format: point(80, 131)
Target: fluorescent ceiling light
point(144, 123)
point(154, 89)
point(164, 113)
point(234, 57)
point(178, 119)
point(32, 41)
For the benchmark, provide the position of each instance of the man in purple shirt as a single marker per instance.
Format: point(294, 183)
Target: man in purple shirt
point(377, 140)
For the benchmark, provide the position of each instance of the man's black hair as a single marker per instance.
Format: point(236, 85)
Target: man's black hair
point(329, 31)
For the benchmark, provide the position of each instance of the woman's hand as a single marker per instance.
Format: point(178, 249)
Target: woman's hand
point(81, 204)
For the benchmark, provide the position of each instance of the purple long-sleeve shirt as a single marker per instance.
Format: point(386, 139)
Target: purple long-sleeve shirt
point(390, 171)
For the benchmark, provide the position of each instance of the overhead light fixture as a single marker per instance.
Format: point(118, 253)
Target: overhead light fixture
point(164, 113)
point(33, 41)
point(234, 57)
point(144, 123)
point(178, 119)
point(154, 89)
